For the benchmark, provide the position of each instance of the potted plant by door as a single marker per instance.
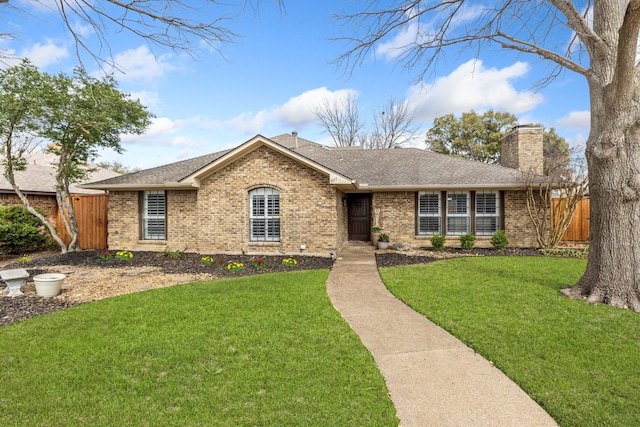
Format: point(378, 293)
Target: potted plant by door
point(48, 284)
point(375, 234)
point(383, 241)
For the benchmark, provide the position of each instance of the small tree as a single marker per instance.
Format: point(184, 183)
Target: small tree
point(76, 115)
point(552, 218)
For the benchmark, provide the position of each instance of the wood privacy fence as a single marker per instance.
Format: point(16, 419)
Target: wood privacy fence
point(578, 230)
point(91, 213)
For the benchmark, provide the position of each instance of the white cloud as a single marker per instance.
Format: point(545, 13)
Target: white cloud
point(580, 120)
point(296, 113)
point(147, 98)
point(417, 32)
point(578, 140)
point(141, 63)
point(42, 55)
point(160, 132)
point(395, 47)
point(472, 86)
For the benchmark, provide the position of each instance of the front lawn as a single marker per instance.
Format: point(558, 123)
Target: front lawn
point(580, 362)
point(260, 350)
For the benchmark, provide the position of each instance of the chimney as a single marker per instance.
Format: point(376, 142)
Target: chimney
point(295, 137)
point(522, 149)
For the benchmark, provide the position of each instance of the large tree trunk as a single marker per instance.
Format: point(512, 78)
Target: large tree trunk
point(613, 153)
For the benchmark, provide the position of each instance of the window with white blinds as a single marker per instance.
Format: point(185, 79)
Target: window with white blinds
point(264, 214)
point(458, 215)
point(487, 213)
point(154, 215)
point(429, 213)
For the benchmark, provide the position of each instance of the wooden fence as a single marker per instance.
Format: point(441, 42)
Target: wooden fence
point(578, 230)
point(91, 213)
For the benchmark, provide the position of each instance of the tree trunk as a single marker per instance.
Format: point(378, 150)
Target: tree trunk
point(613, 269)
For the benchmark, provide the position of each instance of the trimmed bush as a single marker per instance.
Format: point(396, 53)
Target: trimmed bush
point(437, 241)
point(20, 230)
point(467, 241)
point(499, 240)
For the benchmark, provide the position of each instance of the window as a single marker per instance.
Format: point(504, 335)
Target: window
point(457, 213)
point(264, 214)
point(429, 213)
point(487, 213)
point(154, 220)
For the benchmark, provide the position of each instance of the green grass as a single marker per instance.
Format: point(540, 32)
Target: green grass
point(259, 350)
point(580, 362)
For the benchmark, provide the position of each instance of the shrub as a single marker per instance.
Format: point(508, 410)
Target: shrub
point(437, 241)
point(20, 230)
point(467, 241)
point(499, 240)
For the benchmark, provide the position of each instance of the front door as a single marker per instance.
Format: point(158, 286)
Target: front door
point(359, 206)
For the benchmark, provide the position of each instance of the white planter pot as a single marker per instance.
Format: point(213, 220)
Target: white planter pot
point(383, 245)
point(49, 284)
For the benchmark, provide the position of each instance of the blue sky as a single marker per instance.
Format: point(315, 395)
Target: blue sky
point(280, 68)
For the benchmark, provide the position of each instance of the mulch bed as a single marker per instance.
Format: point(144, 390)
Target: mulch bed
point(23, 307)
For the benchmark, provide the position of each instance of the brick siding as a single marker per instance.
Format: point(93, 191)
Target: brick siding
point(46, 204)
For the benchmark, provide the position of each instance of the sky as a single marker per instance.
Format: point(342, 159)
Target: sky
point(271, 78)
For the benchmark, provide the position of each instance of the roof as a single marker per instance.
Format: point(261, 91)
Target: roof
point(352, 168)
point(39, 177)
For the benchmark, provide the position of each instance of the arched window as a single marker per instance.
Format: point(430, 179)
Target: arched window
point(264, 214)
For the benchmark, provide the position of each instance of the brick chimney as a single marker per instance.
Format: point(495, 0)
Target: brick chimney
point(522, 149)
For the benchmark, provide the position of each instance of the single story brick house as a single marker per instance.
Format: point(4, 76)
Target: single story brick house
point(288, 195)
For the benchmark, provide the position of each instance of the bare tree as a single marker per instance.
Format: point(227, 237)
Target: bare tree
point(174, 24)
point(597, 39)
point(393, 126)
point(551, 205)
point(340, 119)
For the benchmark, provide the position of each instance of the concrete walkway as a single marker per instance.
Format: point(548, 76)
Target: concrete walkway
point(433, 379)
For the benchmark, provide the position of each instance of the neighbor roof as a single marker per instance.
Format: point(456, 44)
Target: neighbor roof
point(39, 177)
point(382, 169)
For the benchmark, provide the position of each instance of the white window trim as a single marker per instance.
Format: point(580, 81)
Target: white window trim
point(146, 216)
point(437, 215)
point(496, 214)
point(271, 220)
point(466, 215)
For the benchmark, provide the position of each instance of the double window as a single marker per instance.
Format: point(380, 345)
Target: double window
point(264, 214)
point(154, 215)
point(458, 212)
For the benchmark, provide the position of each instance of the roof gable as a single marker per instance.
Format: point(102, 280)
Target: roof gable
point(251, 145)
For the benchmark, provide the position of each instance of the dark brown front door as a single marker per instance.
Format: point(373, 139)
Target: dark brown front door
point(359, 206)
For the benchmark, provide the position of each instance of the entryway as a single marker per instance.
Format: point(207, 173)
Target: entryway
point(359, 211)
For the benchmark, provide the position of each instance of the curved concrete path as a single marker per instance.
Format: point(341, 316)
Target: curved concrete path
point(433, 379)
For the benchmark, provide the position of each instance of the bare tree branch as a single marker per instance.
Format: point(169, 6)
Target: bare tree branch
point(393, 126)
point(341, 120)
point(174, 24)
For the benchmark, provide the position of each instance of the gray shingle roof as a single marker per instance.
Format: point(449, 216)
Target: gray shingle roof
point(399, 167)
point(173, 172)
